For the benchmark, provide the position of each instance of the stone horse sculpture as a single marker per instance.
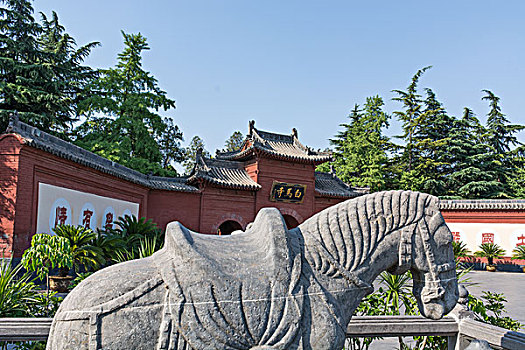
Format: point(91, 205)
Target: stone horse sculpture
point(267, 288)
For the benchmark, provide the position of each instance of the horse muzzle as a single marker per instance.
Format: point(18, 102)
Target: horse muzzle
point(436, 301)
point(433, 303)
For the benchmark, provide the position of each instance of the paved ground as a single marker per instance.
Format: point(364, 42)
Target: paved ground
point(511, 284)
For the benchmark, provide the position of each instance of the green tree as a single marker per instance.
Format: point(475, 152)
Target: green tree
point(196, 145)
point(41, 71)
point(500, 133)
point(472, 165)
point(409, 117)
point(501, 138)
point(425, 160)
point(432, 140)
point(490, 309)
point(169, 142)
point(234, 142)
point(131, 132)
point(360, 155)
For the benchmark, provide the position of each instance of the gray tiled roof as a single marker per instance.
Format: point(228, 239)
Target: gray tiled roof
point(277, 146)
point(223, 173)
point(63, 149)
point(482, 204)
point(220, 172)
point(329, 185)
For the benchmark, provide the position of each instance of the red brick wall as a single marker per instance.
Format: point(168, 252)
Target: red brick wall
point(220, 205)
point(322, 203)
point(252, 170)
point(9, 156)
point(167, 206)
point(36, 166)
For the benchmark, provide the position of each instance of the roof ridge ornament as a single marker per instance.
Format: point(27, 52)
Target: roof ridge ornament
point(14, 118)
point(251, 127)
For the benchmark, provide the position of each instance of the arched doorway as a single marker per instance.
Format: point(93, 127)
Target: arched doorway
point(291, 222)
point(227, 227)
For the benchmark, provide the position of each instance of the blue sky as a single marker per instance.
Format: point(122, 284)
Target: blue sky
point(304, 64)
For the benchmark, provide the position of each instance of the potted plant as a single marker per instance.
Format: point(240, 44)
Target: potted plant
point(519, 254)
point(47, 253)
point(490, 251)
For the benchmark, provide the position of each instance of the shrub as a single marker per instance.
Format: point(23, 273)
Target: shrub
point(16, 292)
point(490, 308)
point(139, 238)
point(46, 253)
point(83, 252)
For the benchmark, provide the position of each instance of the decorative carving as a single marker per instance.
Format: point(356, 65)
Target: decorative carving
point(267, 288)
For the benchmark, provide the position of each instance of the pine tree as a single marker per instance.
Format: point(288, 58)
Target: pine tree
point(431, 139)
point(190, 154)
point(70, 77)
point(41, 76)
point(360, 156)
point(425, 161)
point(472, 175)
point(169, 142)
point(500, 133)
point(131, 132)
point(234, 142)
point(500, 136)
point(413, 107)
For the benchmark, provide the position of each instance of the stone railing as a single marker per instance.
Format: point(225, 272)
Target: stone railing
point(459, 330)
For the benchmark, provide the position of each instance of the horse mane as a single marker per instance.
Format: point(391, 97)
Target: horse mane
point(350, 231)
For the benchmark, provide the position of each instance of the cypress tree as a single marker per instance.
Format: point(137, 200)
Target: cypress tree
point(234, 142)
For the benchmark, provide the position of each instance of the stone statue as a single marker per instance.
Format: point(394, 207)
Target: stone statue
point(267, 288)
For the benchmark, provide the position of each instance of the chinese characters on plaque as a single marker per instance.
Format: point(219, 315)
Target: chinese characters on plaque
point(109, 221)
point(521, 240)
point(289, 193)
point(60, 215)
point(64, 206)
point(487, 238)
point(86, 218)
point(61, 212)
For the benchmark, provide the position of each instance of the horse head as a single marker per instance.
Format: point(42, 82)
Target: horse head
point(425, 248)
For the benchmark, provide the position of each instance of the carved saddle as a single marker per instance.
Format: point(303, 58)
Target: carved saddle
point(200, 291)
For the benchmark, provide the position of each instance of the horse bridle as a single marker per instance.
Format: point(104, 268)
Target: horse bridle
point(432, 289)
